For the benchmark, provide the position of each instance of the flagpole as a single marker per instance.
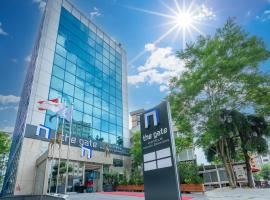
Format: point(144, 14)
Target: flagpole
point(70, 129)
point(52, 159)
point(59, 158)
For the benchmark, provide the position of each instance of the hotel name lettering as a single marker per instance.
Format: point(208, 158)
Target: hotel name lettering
point(31, 132)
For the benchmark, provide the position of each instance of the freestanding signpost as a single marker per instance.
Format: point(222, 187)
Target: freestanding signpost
point(158, 151)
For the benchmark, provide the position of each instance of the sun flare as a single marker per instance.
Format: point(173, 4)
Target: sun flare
point(184, 21)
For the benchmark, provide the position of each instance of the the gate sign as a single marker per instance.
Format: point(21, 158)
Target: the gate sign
point(158, 149)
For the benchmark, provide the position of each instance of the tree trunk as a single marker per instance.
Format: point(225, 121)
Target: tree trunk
point(249, 173)
point(226, 163)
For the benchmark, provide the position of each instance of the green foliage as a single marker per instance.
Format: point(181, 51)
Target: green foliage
point(222, 73)
point(265, 171)
point(183, 142)
point(62, 170)
point(119, 141)
point(136, 177)
point(189, 173)
point(4, 143)
point(111, 178)
point(136, 149)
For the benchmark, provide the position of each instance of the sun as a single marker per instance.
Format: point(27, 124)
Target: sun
point(184, 20)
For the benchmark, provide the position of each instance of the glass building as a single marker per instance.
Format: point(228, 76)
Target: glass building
point(77, 62)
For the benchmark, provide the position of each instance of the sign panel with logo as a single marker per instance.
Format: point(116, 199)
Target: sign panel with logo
point(158, 149)
point(44, 133)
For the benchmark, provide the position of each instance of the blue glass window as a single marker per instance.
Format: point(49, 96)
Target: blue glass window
point(80, 73)
point(71, 57)
point(88, 98)
point(68, 98)
point(61, 40)
point(96, 134)
point(61, 50)
point(112, 139)
point(104, 126)
point(97, 92)
point(97, 112)
point(105, 105)
point(96, 123)
point(54, 94)
point(70, 78)
point(112, 129)
point(71, 67)
point(105, 115)
point(88, 73)
point(59, 61)
point(97, 102)
point(79, 93)
point(87, 119)
point(56, 83)
point(79, 83)
point(59, 72)
point(68, 89)
point(88, 108)
point(78, 105)
point(105, 137)
point(119, 130)
point(89, 87)
point(77, 115)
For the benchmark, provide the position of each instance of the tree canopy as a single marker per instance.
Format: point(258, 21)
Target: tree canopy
point(222, 73)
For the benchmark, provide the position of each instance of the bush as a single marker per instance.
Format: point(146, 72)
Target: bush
point(189, 173)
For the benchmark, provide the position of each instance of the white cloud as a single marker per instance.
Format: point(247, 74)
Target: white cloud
point(8, 129)
point(265, 16)
point(2, 32)
point(28, 58)
point(248, 13)
point(95, 13)
point(8, 108)
point(41, 4)
point(9, 99)
point(159, 68)
point(14, 60)
point(204, 13)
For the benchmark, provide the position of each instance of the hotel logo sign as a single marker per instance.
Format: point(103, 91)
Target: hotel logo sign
point(147, 116)
point(86, 151)
point(158, 154)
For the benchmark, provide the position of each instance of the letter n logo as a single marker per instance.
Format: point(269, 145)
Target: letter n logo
point(45, 129)
point(87, 151)
point(147, 116)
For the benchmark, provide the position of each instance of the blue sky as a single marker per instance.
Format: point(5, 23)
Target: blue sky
point(129, 23)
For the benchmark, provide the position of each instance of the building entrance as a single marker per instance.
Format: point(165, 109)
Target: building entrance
point(93, 174)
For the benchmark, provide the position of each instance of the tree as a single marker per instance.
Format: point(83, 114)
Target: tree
point(4, 143)
point(119, 141)
point(62, 171)
point(4, 149)
point(252, 131)
point(189, 172)
point(222, 72)
point(265, 171)
point(136, 149)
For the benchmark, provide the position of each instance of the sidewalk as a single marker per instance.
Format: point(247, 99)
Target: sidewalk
point(238, 194)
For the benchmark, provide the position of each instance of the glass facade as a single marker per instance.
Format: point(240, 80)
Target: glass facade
point(87, 72)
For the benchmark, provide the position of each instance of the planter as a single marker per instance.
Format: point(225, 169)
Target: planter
point(107, 188)
point(129, 188)
point(192, 187)
point(184, 187)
